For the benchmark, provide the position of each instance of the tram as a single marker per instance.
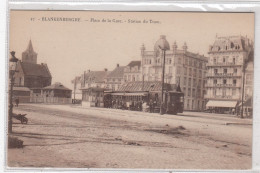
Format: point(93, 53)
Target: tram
point(135, 98)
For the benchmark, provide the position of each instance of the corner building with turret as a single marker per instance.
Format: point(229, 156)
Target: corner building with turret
point(230, 61)
point(181, 66)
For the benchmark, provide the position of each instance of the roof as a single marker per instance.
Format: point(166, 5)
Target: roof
point(97, 89)
point(118, 72)
point(224, 104)
point(231, 43)
point(134, 63)
point(35, 69)
point(146, 86)
point(21, 89)
point(95, 76)
point(57, 86)
point(29, 48)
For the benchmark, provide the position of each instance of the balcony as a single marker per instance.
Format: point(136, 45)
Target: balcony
point(221, 97)
point(221, 85)
point(223, 75)
point(223, 64)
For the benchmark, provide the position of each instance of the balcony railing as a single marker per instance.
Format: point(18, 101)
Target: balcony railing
point(221, 85)
point(220, 97)
point(223, 64)
point(223, 75)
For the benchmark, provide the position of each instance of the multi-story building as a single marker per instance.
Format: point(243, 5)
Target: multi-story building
point(181, 66)
point(228, 56)
point(115, 78)
point(132, 72)
point(94, 79)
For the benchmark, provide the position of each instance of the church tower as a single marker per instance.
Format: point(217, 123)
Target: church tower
point(29, 56)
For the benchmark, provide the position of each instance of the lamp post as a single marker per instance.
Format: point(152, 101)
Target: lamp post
point(163, 45)
point(12, 69)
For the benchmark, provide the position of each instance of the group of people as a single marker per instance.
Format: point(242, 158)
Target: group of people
point(134, 105)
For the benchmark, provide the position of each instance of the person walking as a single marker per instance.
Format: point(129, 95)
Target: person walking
point(17, 102)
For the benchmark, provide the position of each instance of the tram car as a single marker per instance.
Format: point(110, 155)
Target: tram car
point(134, 95)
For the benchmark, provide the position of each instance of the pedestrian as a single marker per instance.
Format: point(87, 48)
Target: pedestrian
point(17, 102)
point(151, 106)
point(233, 111)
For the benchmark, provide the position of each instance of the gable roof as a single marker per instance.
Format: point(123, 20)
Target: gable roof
point(146, 86)
point(35, 69)
point(134, 63)
point(95, 76)
point(57, 86)
point(118, 72)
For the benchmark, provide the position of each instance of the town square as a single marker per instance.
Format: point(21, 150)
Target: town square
point(152, 94)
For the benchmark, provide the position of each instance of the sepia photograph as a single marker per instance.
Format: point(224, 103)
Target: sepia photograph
point(130, 90)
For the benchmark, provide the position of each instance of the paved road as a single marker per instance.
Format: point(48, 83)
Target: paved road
point(72, 136)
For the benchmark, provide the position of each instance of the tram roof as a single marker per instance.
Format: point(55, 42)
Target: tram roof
point(146, 86)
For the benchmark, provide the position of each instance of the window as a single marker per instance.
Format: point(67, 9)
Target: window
point(193, 92)
point(214, 92)
point(189, 92)
point(189, 82)
point(179, 60)
point(170, 69)
point(233, 91)
point(190, 72)
point(185, 81)
point(234, 60)
point(194, 83)
point(184, 91)
point(215, 81)
point(224, 60)
point(214, 60)
point(194, 72)
point(235, 70)
point(225, 71)
point(224, 81)
point(224, 92)
point(234, 82)
point(185, 70)
point(215, 71)
point(190, 62)
point(195, 63)
point(170, 61)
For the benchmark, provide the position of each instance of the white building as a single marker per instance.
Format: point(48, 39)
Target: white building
point(181, 66)
point(227, 59)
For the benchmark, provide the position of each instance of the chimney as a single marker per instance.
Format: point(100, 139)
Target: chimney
point(117, 65)
point(88, 70)
point(105, 69)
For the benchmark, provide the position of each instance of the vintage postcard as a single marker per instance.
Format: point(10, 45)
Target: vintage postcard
point(131, 90)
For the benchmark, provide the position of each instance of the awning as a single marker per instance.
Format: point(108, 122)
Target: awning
point(225, 104)
point(21, 89)
point(130, 94)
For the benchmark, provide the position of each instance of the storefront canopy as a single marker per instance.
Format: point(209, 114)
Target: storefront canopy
point(225, 104)
point(131, 94)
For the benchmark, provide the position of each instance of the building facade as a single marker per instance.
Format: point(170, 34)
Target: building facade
point(228, 58)
point(94, 79)
point(132, 72)
point(181, 67)
point(115, 78)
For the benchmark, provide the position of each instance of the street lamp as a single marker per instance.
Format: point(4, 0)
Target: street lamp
point(163, 45)
point(12, 69)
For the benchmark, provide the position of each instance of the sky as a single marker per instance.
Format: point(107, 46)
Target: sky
point(71, 47)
